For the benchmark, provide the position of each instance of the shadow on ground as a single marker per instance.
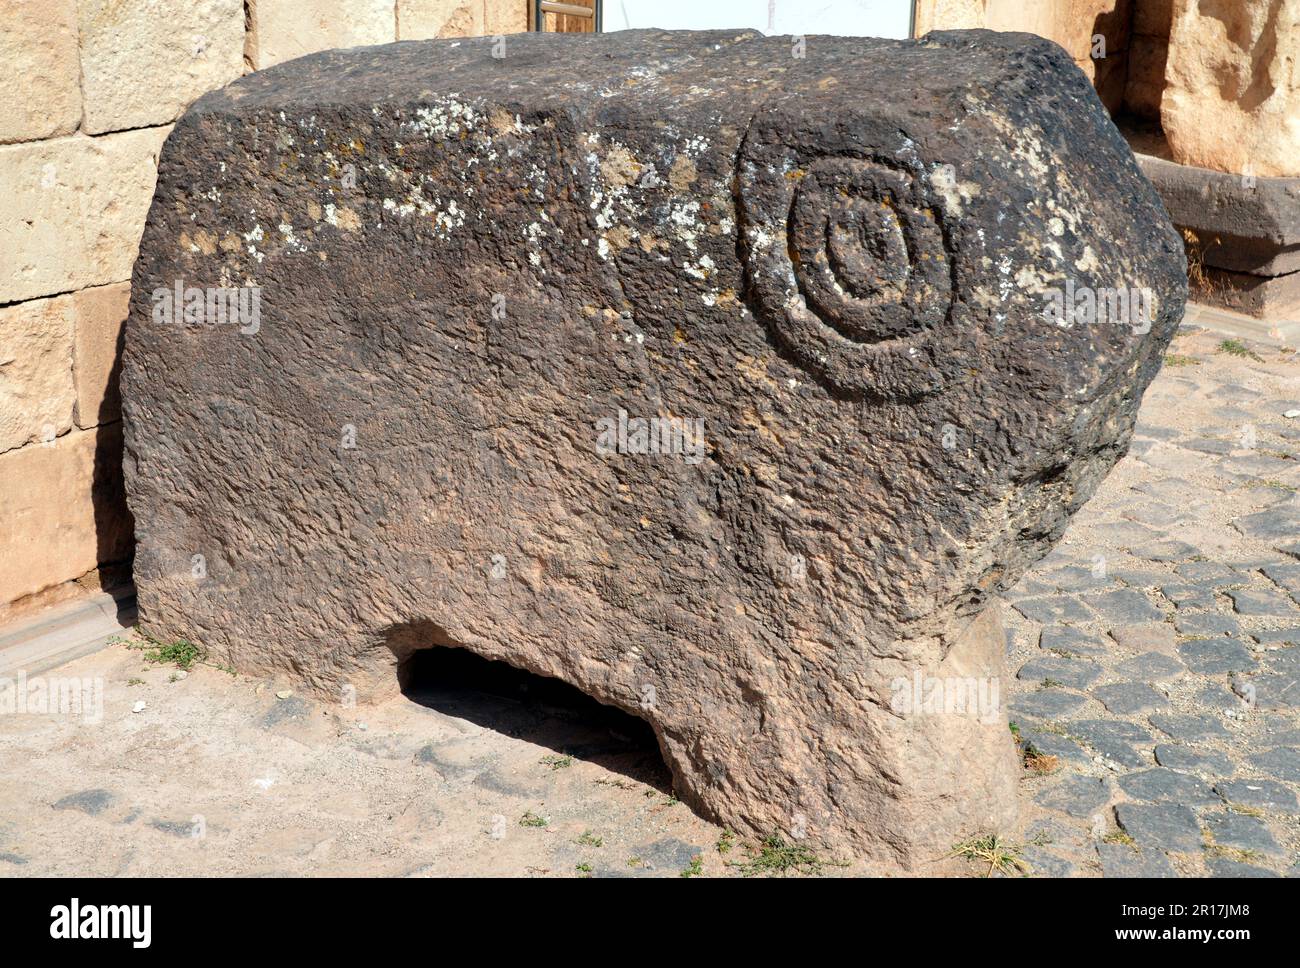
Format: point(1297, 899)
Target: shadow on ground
point(536, 709)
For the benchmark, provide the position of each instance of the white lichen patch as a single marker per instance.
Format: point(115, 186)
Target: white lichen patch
point(534, 234)
point(291, 242)
point(446, 221)
point(447, 118)
point(684, 219)
point(702, 269)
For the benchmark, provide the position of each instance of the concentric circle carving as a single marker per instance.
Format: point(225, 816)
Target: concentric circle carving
point(848, 262)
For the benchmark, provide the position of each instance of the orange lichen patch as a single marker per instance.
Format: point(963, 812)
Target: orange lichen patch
point(682, 174)
point(619, 237)
point(202, 241)
point(501, 120)
point(619, 168)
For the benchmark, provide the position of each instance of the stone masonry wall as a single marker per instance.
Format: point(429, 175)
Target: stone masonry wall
point(93, 87)
point(1220, 76)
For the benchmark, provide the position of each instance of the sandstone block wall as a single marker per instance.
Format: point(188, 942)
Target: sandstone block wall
point(1232, 98)
point(1074, 24)
point(92, 89)
point(1219, 75)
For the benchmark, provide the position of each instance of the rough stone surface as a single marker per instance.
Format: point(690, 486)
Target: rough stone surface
point(1050, 744)
point(1079, 796)
point(99, 318)
point(1167, 786)
point(1113, 739)
point(1046, 704)
point(1125, 605)
point(1074, 24)
point(1070, 641)
point(87, 801)
point(1283, 763)
point(1074, 673)
point(1151, 667)
point(1232, 96)
point(72, 210)
point(1226, 867)
point(176, 52)
point(1271, 604)
point(37, 396)
point(1165, 826)
point(1242, 833)
point(1126, 698)
point(65, 511)
point(841, 286)
point(1263, 794)
point(1120, 860)
point(1178, 757)
point(38, 48)
point(1206, 624)
point(504, 17)
point(281, 30)
point(427, 19)
point(1261, 218)
point(1044, 863)
point(1192, 728)
point(1147, 637)
point(1216, 655)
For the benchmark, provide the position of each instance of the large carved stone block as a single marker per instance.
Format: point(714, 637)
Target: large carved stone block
point(1232, 96)
point(726, 384)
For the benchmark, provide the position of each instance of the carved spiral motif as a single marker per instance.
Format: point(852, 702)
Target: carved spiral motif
point(848, 262)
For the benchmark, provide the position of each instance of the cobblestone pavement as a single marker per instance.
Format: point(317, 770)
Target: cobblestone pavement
point(1157, 652)
point(1157, 649)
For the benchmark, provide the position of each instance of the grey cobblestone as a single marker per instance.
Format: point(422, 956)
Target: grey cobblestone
point(1069, 640)
point(1160, 785)
point(1120, 860)
point(1126, 698)
point(1189, 727)
point(1079, 796)
point(1282, 763)
point(1151, 667)
point(1242, 833)
point(1207, 624)
point(1213, 656)
point(1176, 756)
point(1193, 719)
point(1074, 673)
point(1162, 825)
point(1258, 793)
point(1124, 606)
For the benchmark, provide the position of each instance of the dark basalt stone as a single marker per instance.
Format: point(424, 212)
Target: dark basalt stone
point(474, 275)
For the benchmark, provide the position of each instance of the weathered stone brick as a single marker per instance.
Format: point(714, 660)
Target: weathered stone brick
point(73, 210)
point(100, 313)
point(144, 61)
point(505, 17)
point(64, 510)
point(36, 388)
point(427, 19)
point(280, 30)
point(1232, 100)
point(38, 54)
